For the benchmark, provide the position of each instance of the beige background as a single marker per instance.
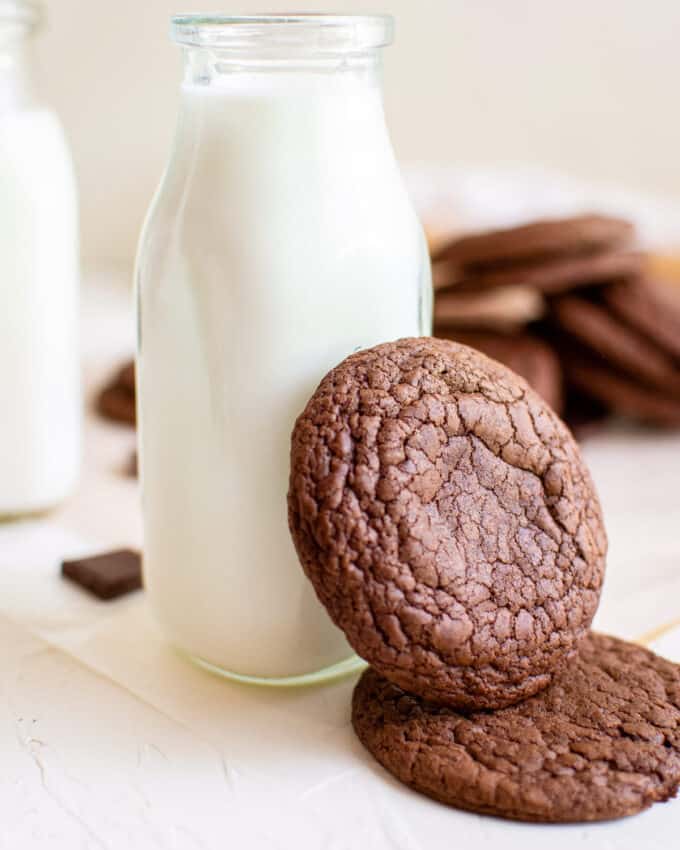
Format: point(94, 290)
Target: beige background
point(588, 86)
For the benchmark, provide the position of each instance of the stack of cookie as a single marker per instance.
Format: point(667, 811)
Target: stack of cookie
point(574, 291)
point(447, 522)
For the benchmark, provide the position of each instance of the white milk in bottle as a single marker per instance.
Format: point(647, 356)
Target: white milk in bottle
point(39, 366)
point(281, 241)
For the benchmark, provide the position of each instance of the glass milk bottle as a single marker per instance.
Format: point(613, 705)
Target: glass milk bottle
point(280, 241)
point(39, 363)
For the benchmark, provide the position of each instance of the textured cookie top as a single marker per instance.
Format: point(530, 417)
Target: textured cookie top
point(551, 237)
point(525, 354)
point(603, 741)
point(446, 519)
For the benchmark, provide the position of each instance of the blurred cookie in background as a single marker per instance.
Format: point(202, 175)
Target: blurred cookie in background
point(591, 321)
point(551, 256)
point(620, 345)
point(651, 307)
point(620, 392)
point(560, 275)
point(580, 288)
point(117, 400)
point(126, 377)
point(506, 310)
point(547, 239)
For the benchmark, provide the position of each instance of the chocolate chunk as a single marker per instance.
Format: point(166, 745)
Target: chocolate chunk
point(107, 576)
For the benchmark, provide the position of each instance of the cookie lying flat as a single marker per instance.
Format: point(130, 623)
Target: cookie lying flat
point(447, 522)
point(549, 238)
point(601, 742)
point(529, 357)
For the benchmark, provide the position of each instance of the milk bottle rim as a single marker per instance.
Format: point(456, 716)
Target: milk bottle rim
point(311, 33)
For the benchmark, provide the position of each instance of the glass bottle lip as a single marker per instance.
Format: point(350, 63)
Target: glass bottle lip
point(18, 17)
point(305, 32)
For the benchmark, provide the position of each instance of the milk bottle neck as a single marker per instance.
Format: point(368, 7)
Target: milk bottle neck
point(207, 69)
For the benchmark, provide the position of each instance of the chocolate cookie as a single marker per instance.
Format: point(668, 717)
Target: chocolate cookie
point(447, 522)
point(550, 238)
point(601, 742)
point(616, 342)
point(622, 393)
point(495, 309)
point(529, 357)
point(445, 275)
point(118, 404)
point(650, 308)
point(117, 401)
point(559, 275)
point(126, 377)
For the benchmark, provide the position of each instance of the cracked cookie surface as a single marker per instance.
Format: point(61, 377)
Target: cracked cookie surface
point(447, 522)
point(525, 354)
point(603, 741)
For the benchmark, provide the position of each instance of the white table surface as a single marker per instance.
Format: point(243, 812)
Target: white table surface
point(110, 740)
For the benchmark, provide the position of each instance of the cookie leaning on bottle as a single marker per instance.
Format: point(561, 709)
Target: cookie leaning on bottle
point(446, 520)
